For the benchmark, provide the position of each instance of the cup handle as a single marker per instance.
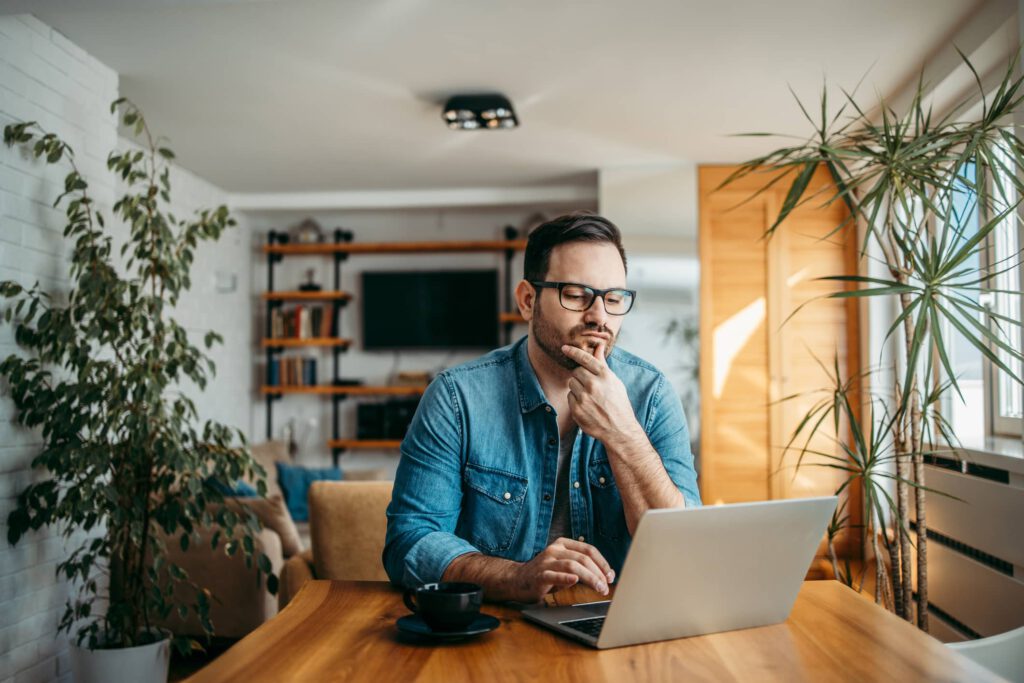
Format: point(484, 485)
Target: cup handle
point(407, 599)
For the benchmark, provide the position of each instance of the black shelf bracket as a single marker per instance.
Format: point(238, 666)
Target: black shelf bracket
point(510, 234)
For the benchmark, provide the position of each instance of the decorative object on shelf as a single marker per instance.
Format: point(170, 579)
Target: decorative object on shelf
point(409, 378)
point(473, 112)
point(119, 470)
point(309, 285)
point(288, 434)
point(307, 232)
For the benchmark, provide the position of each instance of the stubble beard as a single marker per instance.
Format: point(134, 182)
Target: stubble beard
point(550, 341)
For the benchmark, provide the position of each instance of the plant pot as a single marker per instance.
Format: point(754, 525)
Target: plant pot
point(139, 664)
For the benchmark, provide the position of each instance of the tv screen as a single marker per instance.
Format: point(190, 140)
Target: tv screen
point(430, 310)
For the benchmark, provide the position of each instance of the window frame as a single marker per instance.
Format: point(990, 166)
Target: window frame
point(997, 424)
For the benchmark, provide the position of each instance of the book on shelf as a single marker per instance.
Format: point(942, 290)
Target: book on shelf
point(302, 322)
point(292, 371)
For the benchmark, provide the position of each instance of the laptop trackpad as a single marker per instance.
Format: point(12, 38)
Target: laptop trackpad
point(598, 609)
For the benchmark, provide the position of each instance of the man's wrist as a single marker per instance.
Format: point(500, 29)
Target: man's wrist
point(625, 440)
point(497, 576)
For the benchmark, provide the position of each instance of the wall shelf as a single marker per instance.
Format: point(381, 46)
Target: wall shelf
point(339, 251)
point(326, 248)
point(307, 296)
point(290, 342)
point(364, 444)
point(358, 390)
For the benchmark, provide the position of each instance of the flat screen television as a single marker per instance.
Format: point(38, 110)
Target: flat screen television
point(455, 309)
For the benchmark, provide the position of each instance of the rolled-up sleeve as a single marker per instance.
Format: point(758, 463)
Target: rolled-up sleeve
point(427, 496)
point(670, 436)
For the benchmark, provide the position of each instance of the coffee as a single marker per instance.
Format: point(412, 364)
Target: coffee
point(446, 606)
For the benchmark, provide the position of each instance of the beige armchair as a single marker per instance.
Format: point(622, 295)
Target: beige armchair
point(347, 524)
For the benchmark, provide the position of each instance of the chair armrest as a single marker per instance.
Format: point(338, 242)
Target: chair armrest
point(297, 571)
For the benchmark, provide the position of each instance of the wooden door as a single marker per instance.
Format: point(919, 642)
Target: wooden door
point(751, 355)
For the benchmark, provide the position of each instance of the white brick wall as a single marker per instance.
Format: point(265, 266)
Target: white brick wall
point(46, 78)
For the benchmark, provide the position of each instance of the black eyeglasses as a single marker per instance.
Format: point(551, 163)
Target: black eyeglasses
point(576, 297)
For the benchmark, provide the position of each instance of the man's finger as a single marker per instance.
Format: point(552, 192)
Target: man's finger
point(582, 357)
point(589, 563)
point(550, 577)
point(600, 350)
point(591, 552)
point(595, 581)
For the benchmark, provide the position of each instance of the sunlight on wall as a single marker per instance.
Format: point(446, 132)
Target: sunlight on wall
point(731, 336)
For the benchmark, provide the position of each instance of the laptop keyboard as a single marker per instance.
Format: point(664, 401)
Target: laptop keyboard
point(591, 627)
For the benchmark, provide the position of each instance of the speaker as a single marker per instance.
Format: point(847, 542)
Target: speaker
point(370, 421)
point(399, 414)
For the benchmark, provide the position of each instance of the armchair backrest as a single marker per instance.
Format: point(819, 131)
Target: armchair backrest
point(347, 524)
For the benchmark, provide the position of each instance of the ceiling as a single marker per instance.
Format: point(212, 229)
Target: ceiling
point(302, 96)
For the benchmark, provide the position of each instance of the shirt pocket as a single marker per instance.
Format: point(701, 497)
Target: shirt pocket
point(609, 517)
point(493, 503)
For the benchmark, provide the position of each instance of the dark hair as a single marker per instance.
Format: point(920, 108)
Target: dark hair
point(579, 226)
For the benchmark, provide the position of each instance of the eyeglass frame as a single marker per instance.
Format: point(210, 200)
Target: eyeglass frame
point(598, 294)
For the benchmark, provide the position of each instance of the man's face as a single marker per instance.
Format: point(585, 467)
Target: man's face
point(595, 264)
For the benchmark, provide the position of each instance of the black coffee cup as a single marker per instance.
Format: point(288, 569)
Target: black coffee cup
point(446, 606)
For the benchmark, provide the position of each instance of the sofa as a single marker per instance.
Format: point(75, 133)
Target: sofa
point(240, 602)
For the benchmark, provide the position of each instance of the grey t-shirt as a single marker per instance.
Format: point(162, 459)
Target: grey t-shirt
point(560, 514)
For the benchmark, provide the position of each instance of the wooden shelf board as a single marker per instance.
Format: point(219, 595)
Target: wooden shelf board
point(357, 390)
point(306, 296)
point(514, 317)
point(381, 444)
point(315, 341)
point(395, 247)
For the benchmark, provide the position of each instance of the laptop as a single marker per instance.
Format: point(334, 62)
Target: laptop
point(702, 570)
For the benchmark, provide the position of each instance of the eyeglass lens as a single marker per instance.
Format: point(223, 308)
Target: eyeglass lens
point(580, 298)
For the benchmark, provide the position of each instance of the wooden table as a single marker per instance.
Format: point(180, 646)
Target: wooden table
point(345, 630)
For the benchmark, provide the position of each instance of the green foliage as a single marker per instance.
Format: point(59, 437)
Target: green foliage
point(902, 177)
point(126, 460)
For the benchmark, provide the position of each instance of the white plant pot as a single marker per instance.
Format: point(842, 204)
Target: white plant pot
point(141, 664)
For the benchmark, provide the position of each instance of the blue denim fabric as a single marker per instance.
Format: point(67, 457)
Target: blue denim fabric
point(481, 455)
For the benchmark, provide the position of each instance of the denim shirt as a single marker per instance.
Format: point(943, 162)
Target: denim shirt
point(478, 467)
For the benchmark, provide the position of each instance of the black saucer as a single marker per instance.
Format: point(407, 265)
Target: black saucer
point(413, 625)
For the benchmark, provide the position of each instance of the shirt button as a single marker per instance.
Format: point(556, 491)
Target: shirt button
point(508, 496)
point(582, 539)
point(600, 480)
point(547, 496)
point(547, 409)
point(575, 484)
point(552, 442)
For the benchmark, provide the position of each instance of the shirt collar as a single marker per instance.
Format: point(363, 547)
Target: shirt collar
point(531, 395)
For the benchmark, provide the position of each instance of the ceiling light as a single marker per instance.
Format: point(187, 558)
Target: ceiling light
point(470, 112)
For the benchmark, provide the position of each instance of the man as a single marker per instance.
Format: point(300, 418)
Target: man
point(527, 470)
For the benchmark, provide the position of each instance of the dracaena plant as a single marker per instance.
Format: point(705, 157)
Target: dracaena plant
point(126, 462)
point(913, 180)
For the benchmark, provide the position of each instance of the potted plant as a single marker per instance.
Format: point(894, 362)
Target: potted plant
point(912, 181)
point(125, 460)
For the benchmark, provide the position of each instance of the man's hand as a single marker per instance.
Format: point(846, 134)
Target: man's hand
point(598, 401)
point(563, 563)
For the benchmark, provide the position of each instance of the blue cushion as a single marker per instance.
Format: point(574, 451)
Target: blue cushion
point(295, 481)
point(239, 490)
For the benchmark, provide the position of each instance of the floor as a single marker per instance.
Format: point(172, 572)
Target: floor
point(183, 667)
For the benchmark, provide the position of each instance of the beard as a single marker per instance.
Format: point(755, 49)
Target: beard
point(550, 340)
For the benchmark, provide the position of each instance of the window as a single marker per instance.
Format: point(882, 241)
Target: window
point(967, 415)
point(1005, 394)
